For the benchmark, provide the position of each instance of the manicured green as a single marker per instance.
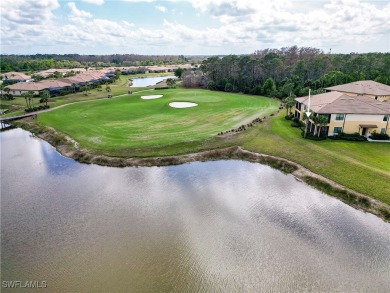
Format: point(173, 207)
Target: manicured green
point(129, 125)
point(17, 106)
point(361, 166)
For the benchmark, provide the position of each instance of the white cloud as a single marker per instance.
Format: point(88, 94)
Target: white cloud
point(161, 8)
point(76, 14)
point(97, 2)
point(241, 27)
point(26, 22)
point(136, 1)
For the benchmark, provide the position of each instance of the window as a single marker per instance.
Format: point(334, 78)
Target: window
point(383, 130)
point(339, 116)
point(385, 118)
point(337, 130)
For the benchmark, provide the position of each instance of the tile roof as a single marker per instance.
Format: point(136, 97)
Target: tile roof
point(26, 86)
point(363, 87)
point(38, 86)
point(336, 102)
point(15, 76)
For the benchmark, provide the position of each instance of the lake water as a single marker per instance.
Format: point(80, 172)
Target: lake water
point(147, 81)
point(226, 226)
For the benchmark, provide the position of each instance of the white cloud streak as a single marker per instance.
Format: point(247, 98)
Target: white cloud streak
point(96, 2)
point(161, 8)
point(244, 26)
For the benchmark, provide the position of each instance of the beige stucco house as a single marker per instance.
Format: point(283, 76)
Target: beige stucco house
point(20, 88)
point(345, 113)
point(369, 88)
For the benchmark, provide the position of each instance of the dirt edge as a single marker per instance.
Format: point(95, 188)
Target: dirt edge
point(69, 148)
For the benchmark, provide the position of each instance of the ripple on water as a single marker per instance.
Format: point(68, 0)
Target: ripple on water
point(217, 226)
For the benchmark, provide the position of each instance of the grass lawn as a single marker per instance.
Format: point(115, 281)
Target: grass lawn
point(131, 126)
point(17, 106)
point(361, 166)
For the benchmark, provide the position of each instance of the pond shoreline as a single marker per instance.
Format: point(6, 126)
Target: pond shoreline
point(69, 148)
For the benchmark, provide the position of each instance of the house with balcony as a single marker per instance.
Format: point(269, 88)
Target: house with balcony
point(368, 88)
point(344, 113)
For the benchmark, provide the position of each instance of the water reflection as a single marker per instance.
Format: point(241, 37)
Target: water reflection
point(217, 226)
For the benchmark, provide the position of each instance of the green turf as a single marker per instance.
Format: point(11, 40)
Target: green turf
point(122, 125)
point(17, 106)
point(361, 166)
point(128, 126)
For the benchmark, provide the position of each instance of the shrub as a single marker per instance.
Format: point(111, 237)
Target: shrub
point(349, 136)
point(379, 136)
point(297, 123)
point(287, 117)
point(312, 137)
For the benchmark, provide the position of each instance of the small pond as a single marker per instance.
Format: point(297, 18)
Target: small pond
point(148, 81)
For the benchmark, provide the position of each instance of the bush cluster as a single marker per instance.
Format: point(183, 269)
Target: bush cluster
point(311, 136)
point(42, 107)
point(242, 127)
point(349, 136)
point(297, 123)
point(379, 136)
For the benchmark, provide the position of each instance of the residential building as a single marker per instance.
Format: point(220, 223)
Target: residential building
point(369, 88)
point(63, 84)
point(13, 77)
point(344, 113)
point(52, 86)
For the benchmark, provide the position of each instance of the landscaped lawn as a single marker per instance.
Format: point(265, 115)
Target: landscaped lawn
point(362, 166)
point(130, 126)
point(17, 106)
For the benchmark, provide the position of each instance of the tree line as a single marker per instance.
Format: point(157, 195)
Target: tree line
point(49, 61)
point(292, 71)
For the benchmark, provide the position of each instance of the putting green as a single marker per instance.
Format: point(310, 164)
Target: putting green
point(118, 126)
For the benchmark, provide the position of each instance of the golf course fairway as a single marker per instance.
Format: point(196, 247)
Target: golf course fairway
point(125, 124)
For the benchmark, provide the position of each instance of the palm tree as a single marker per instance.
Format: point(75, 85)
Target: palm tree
point(289, 102)
point(45, 95)
point(322, 121)
point(74, 87)
point(30, 98)
point(25, 96)
point(5, 89)
point(319, 121)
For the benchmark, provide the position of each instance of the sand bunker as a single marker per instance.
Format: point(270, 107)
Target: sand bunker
point(151, 97)
point(182, 104)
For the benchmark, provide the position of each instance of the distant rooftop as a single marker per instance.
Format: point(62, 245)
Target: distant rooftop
point(363, 87)
point(15, 76)
point(337, 102)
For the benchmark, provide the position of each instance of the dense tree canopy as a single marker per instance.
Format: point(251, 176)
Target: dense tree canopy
point(286, 71)
point(47, 61)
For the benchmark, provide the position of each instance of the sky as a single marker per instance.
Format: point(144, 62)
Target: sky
point(184, 27)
